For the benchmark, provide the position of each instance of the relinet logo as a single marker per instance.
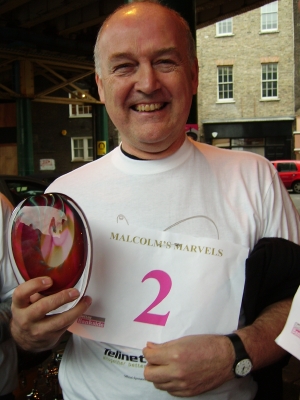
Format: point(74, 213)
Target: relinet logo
point(125, 357)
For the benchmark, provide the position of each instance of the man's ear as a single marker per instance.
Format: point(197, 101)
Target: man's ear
point(100, 88)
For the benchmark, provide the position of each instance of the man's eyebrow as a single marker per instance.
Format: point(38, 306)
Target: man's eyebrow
point(166, 51)
point(120, 56)
point(156, 53)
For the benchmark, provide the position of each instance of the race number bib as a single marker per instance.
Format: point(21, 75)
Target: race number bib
point(148, 285)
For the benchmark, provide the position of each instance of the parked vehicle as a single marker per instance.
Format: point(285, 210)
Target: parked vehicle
point(17, 188)
point(289, 172)
point(46, 178)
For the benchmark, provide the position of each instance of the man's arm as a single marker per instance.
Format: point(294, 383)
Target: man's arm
point(259, 338)
point(195, 364)
point(31, 327)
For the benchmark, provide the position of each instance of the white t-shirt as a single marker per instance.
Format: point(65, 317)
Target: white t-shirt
point(201, 191)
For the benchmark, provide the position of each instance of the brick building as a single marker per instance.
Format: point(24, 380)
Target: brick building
point(247, 98)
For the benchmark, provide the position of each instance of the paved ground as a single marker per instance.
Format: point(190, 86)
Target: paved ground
point(296, 200)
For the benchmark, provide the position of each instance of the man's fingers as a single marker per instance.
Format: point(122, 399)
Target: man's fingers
point(156, 354)
point(64, 320)
point(50, 303)
point(31, 325)
point(35, 297)
point(61, 321)
point(26, 296)
point(22, 293)
point(154, 373)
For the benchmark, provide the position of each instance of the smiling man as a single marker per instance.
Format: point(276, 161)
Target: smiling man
point(159, 180)
point(147, 81)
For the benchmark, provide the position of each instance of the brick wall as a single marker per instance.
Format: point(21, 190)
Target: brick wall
point(246, 49)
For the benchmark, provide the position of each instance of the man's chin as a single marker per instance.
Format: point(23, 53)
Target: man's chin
point(154, 148)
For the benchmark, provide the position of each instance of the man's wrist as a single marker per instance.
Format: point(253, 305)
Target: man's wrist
point(242, 365)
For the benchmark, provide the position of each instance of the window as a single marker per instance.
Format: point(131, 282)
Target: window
point(79, 110)
point(269, 80)
point(269, 17)
point(82, 149)
point(225, 83)
point(286, 167)
point(254, 145)
point(224, 27)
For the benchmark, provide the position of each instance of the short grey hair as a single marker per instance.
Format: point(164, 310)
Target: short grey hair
point(191, 45)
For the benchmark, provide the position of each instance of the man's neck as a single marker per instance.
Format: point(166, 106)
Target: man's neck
point(132, 156)
point(152, 152)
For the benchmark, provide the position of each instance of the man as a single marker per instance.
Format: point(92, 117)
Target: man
point(147, 73)
point(8, 351)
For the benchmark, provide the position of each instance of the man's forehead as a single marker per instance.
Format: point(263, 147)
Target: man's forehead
point(136, 17)
point(137, 10)
point(142, 35)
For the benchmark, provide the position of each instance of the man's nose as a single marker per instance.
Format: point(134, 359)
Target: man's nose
point(147, 79)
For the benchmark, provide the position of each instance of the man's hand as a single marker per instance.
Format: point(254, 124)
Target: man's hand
point(190, 365)
point(195, 364)
point(31, 328)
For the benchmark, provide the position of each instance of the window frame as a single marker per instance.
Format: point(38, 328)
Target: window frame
point(222, 24)
point(269, 81)
point(265, 11)
point(85, 148)
point(223, 84)
point(84, 106)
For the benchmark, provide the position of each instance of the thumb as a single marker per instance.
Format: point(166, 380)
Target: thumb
point(151, 352)
point(151, 345)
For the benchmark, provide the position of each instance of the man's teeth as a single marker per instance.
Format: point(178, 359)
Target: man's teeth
point(148, 107)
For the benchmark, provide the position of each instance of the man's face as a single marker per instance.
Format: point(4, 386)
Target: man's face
point(147, 80)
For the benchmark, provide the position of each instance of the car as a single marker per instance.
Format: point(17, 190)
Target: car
point(46, 178)
point(18, 188)
point(289, 172)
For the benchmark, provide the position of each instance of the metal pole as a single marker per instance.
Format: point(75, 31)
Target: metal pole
point(24, 130)
point(101, 130)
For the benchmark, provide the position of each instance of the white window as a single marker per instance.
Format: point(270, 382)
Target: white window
point(82, 148)
point(225, 83)
point(224, 27)
point(269, 17)
point(79, 110)
point(269, 80)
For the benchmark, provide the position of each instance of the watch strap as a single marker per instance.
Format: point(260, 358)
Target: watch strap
point(240, 351)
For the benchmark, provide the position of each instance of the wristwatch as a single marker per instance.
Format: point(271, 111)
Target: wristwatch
point(243, 364)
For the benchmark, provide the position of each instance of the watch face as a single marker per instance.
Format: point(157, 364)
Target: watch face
point(243, 367)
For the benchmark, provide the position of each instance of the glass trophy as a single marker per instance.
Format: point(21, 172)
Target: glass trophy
point(49, 236)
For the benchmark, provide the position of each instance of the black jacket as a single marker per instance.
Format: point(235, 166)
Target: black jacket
point(272, 274)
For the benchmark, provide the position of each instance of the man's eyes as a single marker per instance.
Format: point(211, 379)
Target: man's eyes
point(162, 64)
point(165, 65)
point(122, 68)
point(166, 61)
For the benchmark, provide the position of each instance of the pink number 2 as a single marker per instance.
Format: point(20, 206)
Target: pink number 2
point(165, 283)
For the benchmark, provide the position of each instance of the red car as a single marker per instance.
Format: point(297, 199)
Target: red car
point(289, 172)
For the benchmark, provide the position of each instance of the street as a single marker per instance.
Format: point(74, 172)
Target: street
point(296, 200)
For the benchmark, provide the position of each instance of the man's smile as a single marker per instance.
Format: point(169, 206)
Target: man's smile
point(148, 107)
